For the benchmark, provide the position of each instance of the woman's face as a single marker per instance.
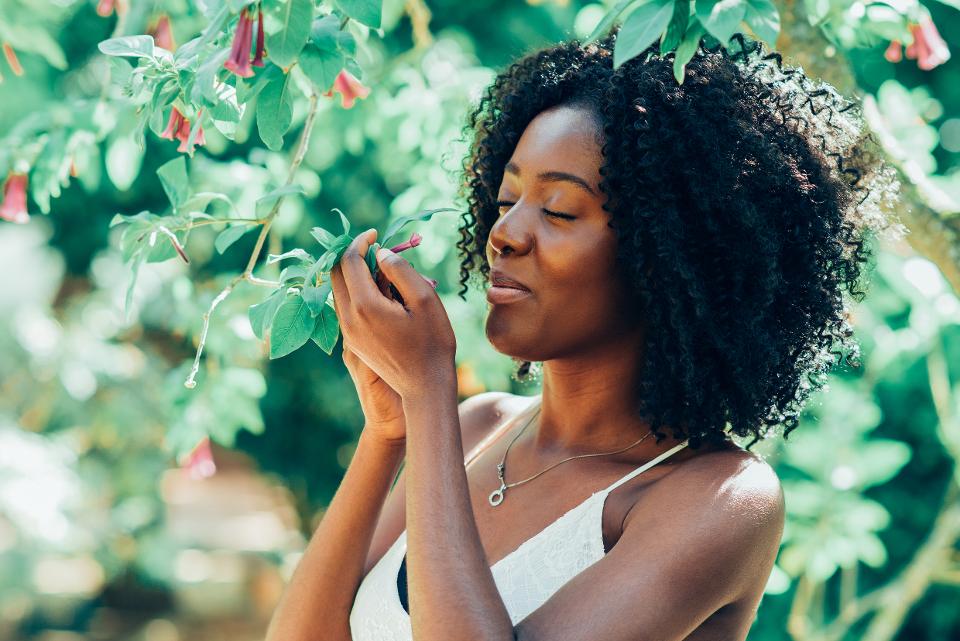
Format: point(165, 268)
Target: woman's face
point(568, 263)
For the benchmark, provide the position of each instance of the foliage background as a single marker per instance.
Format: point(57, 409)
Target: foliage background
point(104, 536)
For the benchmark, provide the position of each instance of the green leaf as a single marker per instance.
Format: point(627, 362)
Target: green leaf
point(640, 29)
point(367, 12)
point(293, 272)
point(323, 237)
point(295, 17)
point(402, 222)
point(204, 85)
point(293, 253)
point(764, 19)
point(316, 297)
point(132, 46)
point(343, 221)
point(677, 27)
point(274, 110)
point(686, 49)
point(292, 327)
point(261, 315)
point(124, 158)
point(604, 25)
point(173, 177)
point(720, 18)
point(326, 329)
point(321, 66)
point(280, 192)
point(371, 258)
point(229, 236)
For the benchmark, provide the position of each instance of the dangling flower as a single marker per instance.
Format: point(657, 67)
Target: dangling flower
point(178, 128)
point(12, 59)
point(162, 33)
point(927, 48)
point(173, 124)
point(105, 8)
point(199, 463)
point(350, 89)
point(14, 205)
point(894, 52)
point(258, 57)
point(239, 60)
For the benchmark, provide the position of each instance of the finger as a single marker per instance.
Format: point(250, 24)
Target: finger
point(341, 297)
point(356, 274)
point(404, 277)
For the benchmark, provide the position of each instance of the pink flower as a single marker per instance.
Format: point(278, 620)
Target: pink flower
point(14, 206)
point(162, 33)
point(894, 52)
point(258, 57)
point(105, 8)
point(415, 239)
point(12, 60)
point(239, 60)
point(927, 48)
point(199, 463)
point(349, 87)
point(173, 124)
point(178, 128)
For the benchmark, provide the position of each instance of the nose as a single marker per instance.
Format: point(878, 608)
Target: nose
point(511, 233)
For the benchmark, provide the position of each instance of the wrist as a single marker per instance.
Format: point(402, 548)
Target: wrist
point(369, 435)
point(431, 390)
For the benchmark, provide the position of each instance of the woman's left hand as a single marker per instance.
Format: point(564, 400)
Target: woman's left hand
point(410, 346)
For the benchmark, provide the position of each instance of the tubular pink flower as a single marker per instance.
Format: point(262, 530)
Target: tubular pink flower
point(199, 463)
point(162, 33)
point(183, 135)
point(105, 8)
point(258, 57)
point(173, 124)
point(12, 59)
point(239, 60)
point(927, 48)
point(349, 87)
point(14, 205)
point(415, 239)
point(894, 52)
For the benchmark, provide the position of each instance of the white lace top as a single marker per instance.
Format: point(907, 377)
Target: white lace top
point(525, 578)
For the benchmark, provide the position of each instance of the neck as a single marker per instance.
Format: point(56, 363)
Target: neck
point(588, 406)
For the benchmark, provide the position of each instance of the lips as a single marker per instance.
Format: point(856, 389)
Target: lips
point(500, 279)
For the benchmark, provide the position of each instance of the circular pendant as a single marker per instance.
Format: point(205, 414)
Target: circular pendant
point(496, 497)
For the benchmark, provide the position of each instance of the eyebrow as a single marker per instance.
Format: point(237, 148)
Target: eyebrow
point(553, 176)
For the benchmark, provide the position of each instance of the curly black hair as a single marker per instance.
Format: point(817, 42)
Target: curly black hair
point(748, 193)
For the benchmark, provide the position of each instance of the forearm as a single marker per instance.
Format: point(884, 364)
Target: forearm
point(453, 595)
point(316, 603)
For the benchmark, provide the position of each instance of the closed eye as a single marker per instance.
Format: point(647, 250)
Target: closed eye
point(501, 203)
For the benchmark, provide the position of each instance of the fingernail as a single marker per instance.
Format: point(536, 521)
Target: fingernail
point(382, 253)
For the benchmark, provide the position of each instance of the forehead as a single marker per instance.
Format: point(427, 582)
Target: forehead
point(560, 139)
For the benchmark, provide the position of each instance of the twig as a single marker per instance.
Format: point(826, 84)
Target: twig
point(247, 273)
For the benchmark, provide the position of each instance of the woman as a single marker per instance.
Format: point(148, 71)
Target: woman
point(678, 254)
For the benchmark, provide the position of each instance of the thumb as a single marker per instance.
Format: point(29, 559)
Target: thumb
point(410, 283)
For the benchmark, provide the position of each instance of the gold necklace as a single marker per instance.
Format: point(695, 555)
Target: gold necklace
point(496, 497)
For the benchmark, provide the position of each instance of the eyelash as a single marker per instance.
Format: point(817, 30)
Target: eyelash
point(501, 203)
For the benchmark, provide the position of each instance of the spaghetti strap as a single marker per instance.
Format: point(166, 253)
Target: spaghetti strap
point(493, 436)
point(646, 466)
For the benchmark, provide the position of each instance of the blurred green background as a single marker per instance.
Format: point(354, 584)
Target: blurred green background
point(108, 532)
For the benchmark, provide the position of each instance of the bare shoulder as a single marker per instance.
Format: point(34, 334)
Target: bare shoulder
point(739, 485)
point(730, 505)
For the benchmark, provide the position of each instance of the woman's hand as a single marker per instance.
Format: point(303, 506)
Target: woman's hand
point(411, 346)
point(382, 406)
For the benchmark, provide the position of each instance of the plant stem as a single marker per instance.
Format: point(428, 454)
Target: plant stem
point(247, 273)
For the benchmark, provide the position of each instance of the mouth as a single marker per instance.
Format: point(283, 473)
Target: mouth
point(500, 295)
